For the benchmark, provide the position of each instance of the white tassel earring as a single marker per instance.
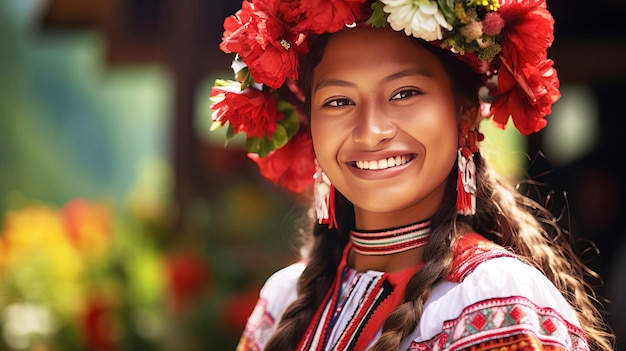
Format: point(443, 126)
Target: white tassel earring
point(466, 181)
point(324, 193)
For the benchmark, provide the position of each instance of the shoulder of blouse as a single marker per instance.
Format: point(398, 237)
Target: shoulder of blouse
point(282, 285)
point(279, 290)
point(488, 280)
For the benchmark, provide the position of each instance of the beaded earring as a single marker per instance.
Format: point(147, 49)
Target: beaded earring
point(324, 193)
point(466, 177)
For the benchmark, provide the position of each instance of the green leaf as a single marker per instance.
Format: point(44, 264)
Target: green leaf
point(244, 77)
point(253, 144)
point(447, 9)
point(230, 133)
point(225, 83)
point(379, 17)
point(265, 147)
point(290, 120)
point(280, 137)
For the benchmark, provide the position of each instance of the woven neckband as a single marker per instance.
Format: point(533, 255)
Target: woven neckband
point(390, 241)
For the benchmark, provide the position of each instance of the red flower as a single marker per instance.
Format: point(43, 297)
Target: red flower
point(88, 226)
point(100, 325)
point(251, 111)
point(237, 309)
point(528, 30)
point(329, 15)
point(292, 166)
point(261, 33)
point(187, 276)
point(526, 96)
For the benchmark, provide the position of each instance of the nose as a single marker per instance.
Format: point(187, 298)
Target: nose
point(373, 127)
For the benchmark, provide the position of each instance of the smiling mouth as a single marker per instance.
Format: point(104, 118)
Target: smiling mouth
point(384, 163)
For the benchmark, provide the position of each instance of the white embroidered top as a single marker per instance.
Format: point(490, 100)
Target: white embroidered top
point(490, 301)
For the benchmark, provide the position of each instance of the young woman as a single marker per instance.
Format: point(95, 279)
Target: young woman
point(419, 245)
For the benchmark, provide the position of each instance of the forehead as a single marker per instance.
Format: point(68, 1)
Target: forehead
point(375, 51)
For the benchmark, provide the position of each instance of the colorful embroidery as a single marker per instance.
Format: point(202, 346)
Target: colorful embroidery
point(470, 251)
point(512, 323)
point(258, 330)
point(378, 289)
point(377, 297)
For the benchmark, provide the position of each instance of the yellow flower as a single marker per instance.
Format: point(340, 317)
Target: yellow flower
point(38, 258)
point(491, 5)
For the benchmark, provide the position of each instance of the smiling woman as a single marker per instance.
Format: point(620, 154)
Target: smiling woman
point(396, 102)
point(419, 244)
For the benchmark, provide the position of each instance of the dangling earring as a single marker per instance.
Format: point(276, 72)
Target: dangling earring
point(466, 177)
point(324, 193)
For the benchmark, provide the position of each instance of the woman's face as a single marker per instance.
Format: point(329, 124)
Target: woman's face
point(384, 125)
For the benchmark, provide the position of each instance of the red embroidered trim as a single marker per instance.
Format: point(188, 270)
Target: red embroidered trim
point(470, 251)
point(504, 324)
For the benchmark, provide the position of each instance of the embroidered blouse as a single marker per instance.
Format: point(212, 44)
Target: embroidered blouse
point(490, 300)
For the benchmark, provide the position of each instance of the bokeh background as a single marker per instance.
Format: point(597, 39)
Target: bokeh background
point(125, 224)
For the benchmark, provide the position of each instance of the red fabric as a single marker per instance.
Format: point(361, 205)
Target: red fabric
point(398, 282)
point(471, 250)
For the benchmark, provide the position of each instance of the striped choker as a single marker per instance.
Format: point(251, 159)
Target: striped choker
point(390, 241)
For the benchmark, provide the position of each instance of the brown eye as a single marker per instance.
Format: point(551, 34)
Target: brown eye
point(339, 102)
point(404, 94)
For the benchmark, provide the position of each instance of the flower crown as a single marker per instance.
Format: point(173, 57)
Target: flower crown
point(506, 41)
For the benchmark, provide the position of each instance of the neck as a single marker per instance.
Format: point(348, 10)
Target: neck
point(369, 220)
point(388, 263)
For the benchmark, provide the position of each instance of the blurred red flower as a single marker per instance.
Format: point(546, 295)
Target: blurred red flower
point(100, 328)
point(187, 275)
point(292, 166)
point(238, 308)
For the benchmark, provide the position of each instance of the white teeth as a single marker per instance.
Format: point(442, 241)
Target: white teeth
point(384, 163)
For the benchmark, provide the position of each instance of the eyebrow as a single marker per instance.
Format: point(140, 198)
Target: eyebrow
point(387, 79)
point(335, 83)
point(408, 73)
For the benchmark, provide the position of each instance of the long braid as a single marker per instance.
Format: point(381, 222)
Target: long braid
point(403, 320)
point(315, 280)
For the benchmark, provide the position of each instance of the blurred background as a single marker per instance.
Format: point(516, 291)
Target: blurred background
point(126, 225)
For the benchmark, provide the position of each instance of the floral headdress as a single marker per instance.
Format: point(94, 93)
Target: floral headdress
point(506, 41)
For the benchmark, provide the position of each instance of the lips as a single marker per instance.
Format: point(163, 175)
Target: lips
point(384, 163)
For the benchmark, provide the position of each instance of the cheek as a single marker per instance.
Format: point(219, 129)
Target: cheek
point(434, 125)
point(437, 130)
point(323, 138)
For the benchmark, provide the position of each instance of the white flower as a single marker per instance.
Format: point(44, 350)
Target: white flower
point(419, 18)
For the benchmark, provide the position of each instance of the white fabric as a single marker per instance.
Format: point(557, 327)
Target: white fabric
point(501, 277)
point(496, 278)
